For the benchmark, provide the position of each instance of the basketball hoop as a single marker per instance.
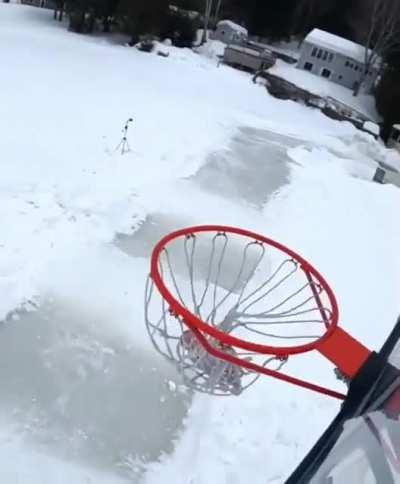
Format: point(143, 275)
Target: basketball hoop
point(226, 305)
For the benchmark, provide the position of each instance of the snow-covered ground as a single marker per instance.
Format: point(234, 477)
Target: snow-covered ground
point(290, 48)
point(363, 103)
point(85, 397)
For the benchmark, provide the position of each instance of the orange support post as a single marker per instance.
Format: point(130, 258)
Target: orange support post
point(345, 352)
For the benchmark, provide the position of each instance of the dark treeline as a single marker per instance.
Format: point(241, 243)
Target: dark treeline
point(375, 23)
point(281, 19)
point(136, 18)
point(273, 19)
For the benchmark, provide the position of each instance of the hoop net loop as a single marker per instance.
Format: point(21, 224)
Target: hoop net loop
point(225, 305)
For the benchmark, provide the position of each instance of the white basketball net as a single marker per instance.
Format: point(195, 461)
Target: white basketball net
point(242, 287)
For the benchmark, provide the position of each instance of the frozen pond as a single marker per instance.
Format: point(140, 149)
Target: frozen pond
point(255, 166)
point(250, 171)
point(87, 397)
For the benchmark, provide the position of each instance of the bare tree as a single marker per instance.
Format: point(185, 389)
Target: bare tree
point(208, 4)
point(378, 29)
point(217, 11)
point(59, 7)
point(307, 13)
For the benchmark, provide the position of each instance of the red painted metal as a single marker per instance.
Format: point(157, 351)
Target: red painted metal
point(345, 352)
point(248, 365)
point(348, 358)
point(352, 354)
point(219, 335)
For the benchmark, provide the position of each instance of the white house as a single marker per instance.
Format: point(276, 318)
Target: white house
point(337, 59)
point(230, 33)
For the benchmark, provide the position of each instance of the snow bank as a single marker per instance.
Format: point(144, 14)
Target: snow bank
point(23, 464)
point(392, 159)
point(373, 128)
point(290, 48)
point(364, 103)
point(213, 49)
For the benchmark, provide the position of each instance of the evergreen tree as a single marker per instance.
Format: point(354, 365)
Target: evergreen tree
point(388, 97)
point(140, 17)
point(84, 13)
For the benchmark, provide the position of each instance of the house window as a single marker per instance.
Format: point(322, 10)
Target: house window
point(326, 73)
point(325, 56)
point(330, 57)
point(356, 68)
point(340, 77)
point(308, 66)
point(319, 54)
point(314, 52)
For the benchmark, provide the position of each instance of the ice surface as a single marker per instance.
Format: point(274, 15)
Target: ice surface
point(84, 397)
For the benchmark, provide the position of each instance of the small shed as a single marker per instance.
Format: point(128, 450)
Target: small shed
point(230, 33)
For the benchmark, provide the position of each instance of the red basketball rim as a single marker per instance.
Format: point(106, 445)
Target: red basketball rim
point(193, 321)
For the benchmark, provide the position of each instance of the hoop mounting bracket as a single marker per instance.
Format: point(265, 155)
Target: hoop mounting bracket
point(345, 352)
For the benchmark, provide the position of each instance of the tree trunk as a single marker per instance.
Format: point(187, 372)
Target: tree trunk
point(356, 89)
point(358, 85)
point(106, 25)
point(217, 11)
point(61, 12)
point(55, 13)
point(207, 15)
point(134, 39)
point(90, 23)
point(77, 22)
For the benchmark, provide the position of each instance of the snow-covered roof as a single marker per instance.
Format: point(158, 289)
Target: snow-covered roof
point(233, 26)
point(337, 44)
point(249, 51)
point(372, 127)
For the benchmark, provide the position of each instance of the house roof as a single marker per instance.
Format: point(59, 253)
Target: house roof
point(265, 54)
point(233, 26)
point(337, 44)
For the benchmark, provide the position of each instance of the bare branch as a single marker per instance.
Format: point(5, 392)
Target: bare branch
point(378, 28)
